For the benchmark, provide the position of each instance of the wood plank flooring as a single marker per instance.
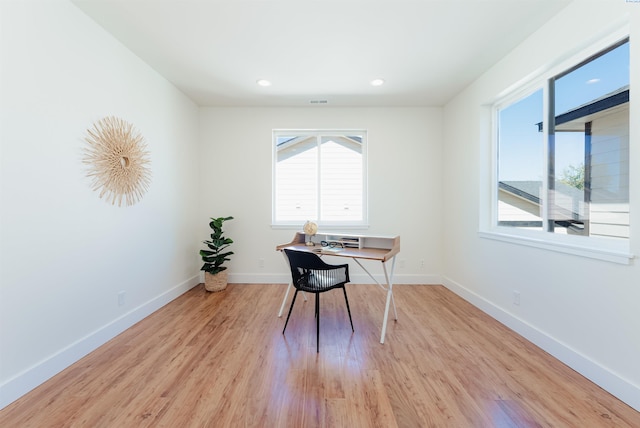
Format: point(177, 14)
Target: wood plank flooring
point(220, 360)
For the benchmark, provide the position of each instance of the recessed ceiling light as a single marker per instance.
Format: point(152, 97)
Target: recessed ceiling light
point(263, 82)
point(377, 82)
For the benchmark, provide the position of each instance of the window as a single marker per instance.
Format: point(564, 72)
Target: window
point(319, 176)
point(563, 154)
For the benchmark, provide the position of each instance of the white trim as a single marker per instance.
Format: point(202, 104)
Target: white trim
point(612, 250)
point(357, 278)
point(34, 376)
point(298, 226)
point(318, 133)
point(599, 253)
point(616, 32)
point(621, 388)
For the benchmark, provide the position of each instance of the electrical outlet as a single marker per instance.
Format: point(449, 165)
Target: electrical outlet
point(121, 296)
point(261, 263)
point(401, 264)
point(516, 297)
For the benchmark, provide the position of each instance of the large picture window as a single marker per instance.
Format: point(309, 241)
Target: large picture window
point(563, 152)
point(319, 176)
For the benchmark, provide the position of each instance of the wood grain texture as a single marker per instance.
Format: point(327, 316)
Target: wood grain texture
point(220, 360)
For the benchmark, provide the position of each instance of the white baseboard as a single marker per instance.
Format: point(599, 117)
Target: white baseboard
point(598, 374)
point(357, 278)
point(24, 382)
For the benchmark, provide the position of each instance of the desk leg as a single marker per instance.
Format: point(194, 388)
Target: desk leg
point(304, 296)
point(284, 300)
point(289, 287)
point(389, 298)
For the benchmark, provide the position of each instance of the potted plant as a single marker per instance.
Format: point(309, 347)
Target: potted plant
point(215, 274)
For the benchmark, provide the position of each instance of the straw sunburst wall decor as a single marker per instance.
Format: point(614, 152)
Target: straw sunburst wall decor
point(118, 161)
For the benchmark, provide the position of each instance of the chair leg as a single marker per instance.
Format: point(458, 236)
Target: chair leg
point(317, 322)
point(348, 310)
point(290, 308)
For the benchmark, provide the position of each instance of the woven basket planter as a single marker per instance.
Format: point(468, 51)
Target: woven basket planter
point(217, 282)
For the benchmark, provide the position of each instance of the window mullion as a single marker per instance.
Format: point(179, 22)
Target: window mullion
point(548, 181)
point(587, 176)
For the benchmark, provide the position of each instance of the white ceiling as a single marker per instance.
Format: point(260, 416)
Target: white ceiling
point(426, 50)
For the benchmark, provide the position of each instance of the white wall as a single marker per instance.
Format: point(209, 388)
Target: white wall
point(405, 189)
point(64, 253)
point(581, 310)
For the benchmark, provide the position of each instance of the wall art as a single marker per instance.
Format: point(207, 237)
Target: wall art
point(118, 161)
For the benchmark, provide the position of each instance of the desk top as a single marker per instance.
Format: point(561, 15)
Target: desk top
point(369, 247)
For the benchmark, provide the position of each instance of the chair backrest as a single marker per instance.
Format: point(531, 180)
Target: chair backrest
point(310, 273)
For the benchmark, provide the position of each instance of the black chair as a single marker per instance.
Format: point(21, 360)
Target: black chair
point(309, 273)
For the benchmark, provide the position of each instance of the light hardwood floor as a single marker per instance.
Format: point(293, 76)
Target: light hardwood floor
point(220, 360)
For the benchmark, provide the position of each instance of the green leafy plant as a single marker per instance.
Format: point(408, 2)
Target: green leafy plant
point(216, 255)
point(574, 176)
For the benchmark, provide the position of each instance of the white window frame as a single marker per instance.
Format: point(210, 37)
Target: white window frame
point(617, 251)
point(323, 224)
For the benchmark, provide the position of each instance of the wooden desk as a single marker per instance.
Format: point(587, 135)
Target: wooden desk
point(356, 247)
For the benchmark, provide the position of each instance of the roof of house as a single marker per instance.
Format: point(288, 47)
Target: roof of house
point(586, 112)
point(530, 189)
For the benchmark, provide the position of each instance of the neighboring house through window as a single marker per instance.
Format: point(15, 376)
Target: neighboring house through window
point(319, 175)
point(563, 154)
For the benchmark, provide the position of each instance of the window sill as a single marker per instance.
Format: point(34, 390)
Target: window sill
point(605, 254)
point(298, 226)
